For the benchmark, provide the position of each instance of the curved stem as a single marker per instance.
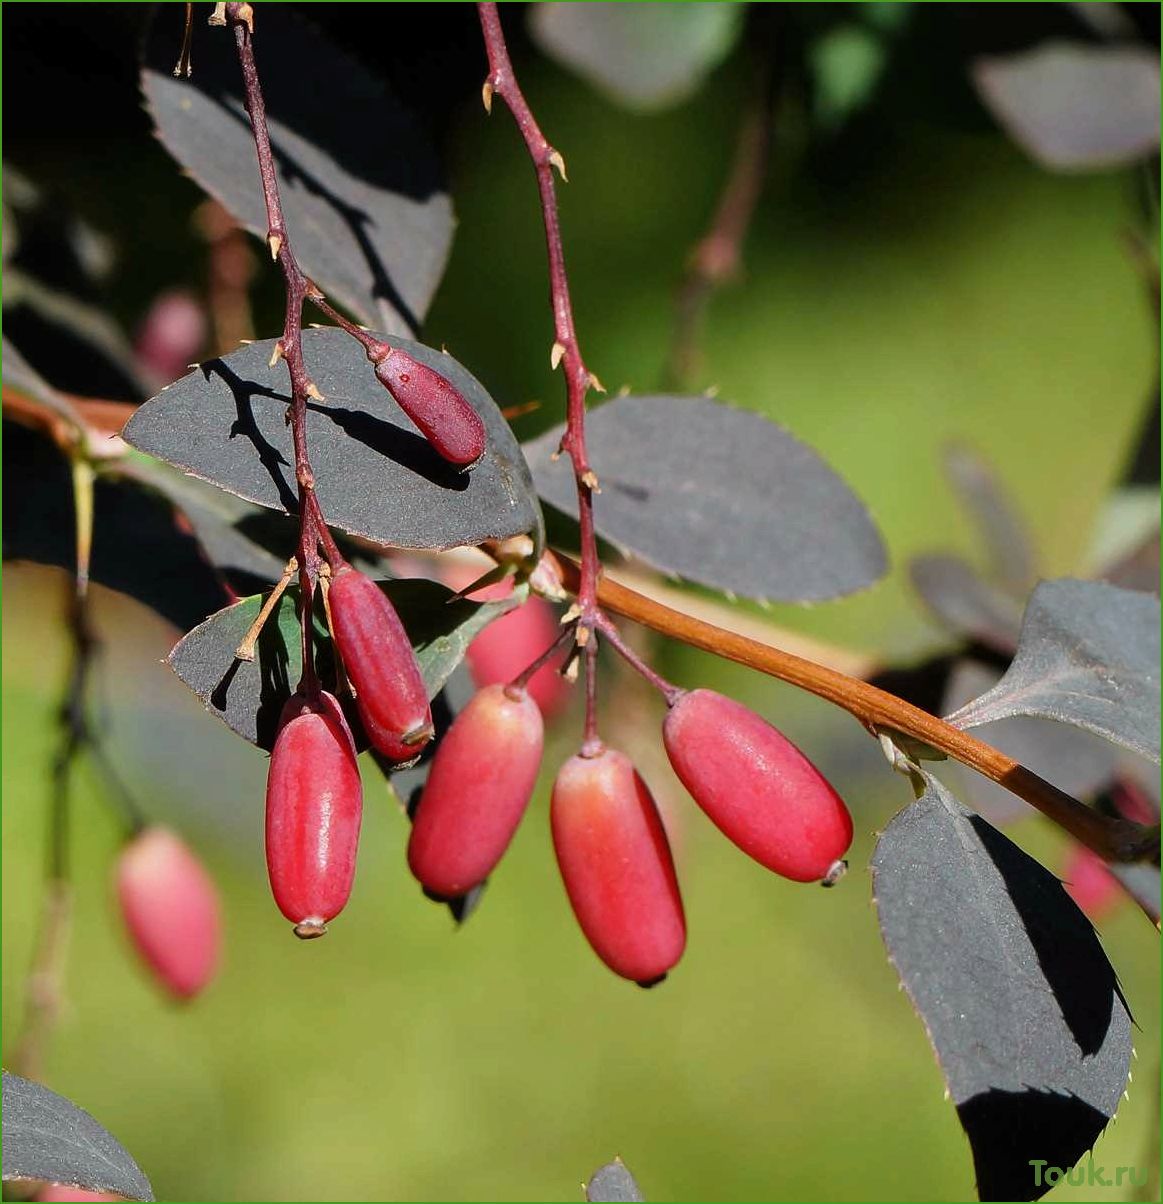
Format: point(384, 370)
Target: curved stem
point(1113, 838)
point(501, 81)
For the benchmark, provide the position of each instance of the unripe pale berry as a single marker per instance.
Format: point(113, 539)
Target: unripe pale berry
point(314, 808)
point(380, 663)
point(616, 864)
point(756, 786)
point(480, 783)
point(170, 907)
point(453, 428)
point(59, 1191)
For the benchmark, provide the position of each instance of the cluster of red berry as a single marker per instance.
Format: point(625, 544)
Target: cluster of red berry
point(610, 843)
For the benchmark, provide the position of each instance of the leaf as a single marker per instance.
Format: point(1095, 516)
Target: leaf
point(644, 56)
point(999, 524)
point(1019, 1000)
point(1077, 762)
point(1072, 106)
point(847, 64)
point(720, 496)
point(360, 185)
point(248, 696)
point(1088, 655)
point(376, 476)
point(48, 1137)
point(952, 589)
point(613, 1183)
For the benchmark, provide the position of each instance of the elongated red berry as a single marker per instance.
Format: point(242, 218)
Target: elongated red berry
point(171, 911)
point(378, 658)
point(616, 864)
point(314, 809)
point(453, 428)
point(760, 790)
point(480, 783)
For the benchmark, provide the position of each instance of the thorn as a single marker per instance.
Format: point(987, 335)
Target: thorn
point(245, 342)
point(583, 636)
point(314, 393)
point(571, 670)
point(276, 355)
point(574, 612)
point(554, 456)
point(555, 160)
point(487, 96)
point(556, 352)
point(275, 242)
point(193, 367)
point(218, 16)
point(596, 384)
point(624, 391)
point(590, 480)
point(246, 16)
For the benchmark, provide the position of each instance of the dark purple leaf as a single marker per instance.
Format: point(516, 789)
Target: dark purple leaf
point(1018, 998)
point(376, 475)
point(48, 1137)
point(1088, 655)
point(720, 496)
point(965, 603)
point(361, 189)
point(1073, 106)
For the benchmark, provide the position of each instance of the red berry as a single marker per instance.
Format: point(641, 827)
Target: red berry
point(1090, 883)
point(453, 428)
point(514, 641)
point(58, 1191)
point(617, 868)
point(170, 906)
point(760, 790)
point(314, 808)
point(378, 657)
point(480, 783)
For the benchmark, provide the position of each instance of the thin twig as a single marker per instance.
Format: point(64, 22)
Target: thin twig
point(1113, 838)
point(312, 529)
point(717, 256)
point(501, 81)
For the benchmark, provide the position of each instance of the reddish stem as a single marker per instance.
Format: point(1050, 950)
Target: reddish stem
point(312, 528)
point(502, 82)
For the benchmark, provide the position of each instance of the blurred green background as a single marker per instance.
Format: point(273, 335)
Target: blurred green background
point(911, 280)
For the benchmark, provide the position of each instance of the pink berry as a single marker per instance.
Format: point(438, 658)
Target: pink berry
point(314, 809)
point(171, 911)
point(59, 1191)
point(1090, 883)
point(616, 865)
point(756, 786)
point(478, 787)
point(171, 335)
point(378, 658)
point(453, 428)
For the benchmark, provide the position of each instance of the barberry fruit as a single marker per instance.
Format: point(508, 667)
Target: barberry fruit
point(61, 1191)
point(170, 907)
point(616, 864)
point(1090, 883)
point(314, 809)
point(756, 786)
point(478, 787)
point(453, 428)
point(379, 661)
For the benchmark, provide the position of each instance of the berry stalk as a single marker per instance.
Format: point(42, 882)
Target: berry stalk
point(502, 81)
point(312, 528)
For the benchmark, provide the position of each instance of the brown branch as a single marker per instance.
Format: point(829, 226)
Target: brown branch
point(501, 81)
point(1113, 838)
